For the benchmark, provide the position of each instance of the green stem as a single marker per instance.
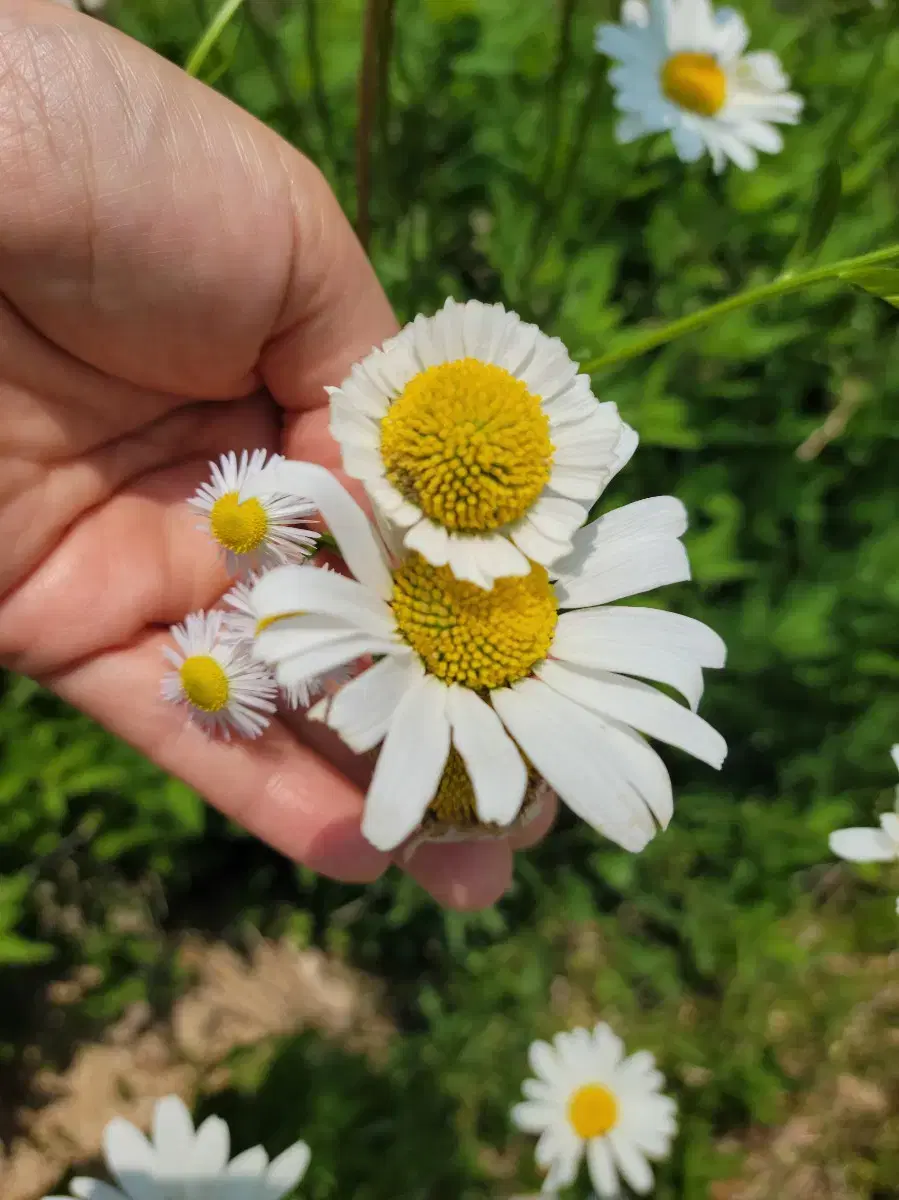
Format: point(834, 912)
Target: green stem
point(781, 286)
point(210, 36)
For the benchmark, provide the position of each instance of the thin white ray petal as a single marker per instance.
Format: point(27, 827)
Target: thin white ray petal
point(362, 710)
point(211, 1147)
point(306, 589)
point(631, 1163)
point(495, 768)
point(349, 525)
point(409, 766)
point(637, 704)
point(564, 743)
point(323, 658)
point(131, 1160)
point(651, 627)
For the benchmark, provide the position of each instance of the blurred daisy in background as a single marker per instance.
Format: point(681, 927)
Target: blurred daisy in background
point(254, 526)
point(681, 68)
point(242, 623)
point(587, 1098)
point(218, 681)
point(867, 845)
point(188, 1164)
point(474, 433)
point(476, 690)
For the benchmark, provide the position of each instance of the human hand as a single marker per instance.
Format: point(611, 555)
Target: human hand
point(175, 282)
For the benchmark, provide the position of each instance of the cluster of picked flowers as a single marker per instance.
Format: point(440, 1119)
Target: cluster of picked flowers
point(475, 637)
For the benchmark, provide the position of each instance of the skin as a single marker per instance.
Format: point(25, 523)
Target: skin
point(175, 281)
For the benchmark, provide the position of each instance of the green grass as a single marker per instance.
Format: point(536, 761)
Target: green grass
point(733, 947)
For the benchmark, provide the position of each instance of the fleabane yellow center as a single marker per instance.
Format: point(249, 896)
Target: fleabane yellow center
point(468, 443)
point(240, 528)
point(205, 683)
point(469, 636)
point(592, 1111)
point(695, 82)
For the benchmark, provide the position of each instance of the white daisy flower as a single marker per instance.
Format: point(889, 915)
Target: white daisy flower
point(475, 689)
point(219, 682)
point(681, 67)
point(240, 626)
point(183, 1164)
point(473, 432)
point(255, 526)
point(871, 845)
point(588, 1097)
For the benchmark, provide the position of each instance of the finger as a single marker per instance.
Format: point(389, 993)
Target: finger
point(538, 828)
point(154, 229)
point(463, 875)
point(276, 788)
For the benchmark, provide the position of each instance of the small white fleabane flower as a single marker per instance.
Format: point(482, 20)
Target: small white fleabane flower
point(474, 433)
point(588, 1098)
point(863, 845)
point(241, 625)
point(181, 1163)
point(223, 687)
point(480, 695)
point(681, 68)
point(255, 526)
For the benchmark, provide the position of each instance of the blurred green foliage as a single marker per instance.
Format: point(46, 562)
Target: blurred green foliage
point(495, 174)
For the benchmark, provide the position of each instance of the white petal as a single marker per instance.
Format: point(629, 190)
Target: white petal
point(350, 526)
point(409, 766)
point(533, 1117)
point(306, 589)
point(328, 657)
point(483, 559)
point(587, 647)
point(602, 1171)
point(556, 517)
point(635, 12)
point(640, 764)
point(862, 845)
point(894, 755)
point(689, 146)
point(211, 1147)
point(292, 636)
point(539, 548)
point(90, 1189)
point(249, 1165)
point(630, 128)
point(173, 1129)
point(637, 704)
point(631, 1163)
point(362, 710)
point(652, 627)
point(131, 1160)
point(392, 503)
point(561, 1151)
point(286, 1171)
point(762, 136)
point(628, 551)
point(430, 540)
point(890, 824)
point(565, 744)
point(544, 1061)
point(732, 34)
point(495, 768)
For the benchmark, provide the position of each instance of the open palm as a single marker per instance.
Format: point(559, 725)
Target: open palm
point(175, 282)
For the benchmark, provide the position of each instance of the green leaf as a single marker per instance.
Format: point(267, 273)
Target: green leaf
point(18, 950)
point(877, 281)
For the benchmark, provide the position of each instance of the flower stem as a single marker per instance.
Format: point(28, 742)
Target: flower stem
point(210, 36)
point(782, 286)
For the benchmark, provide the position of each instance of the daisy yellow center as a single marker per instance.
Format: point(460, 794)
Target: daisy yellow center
point(455, 801)
point(205, 683)
point(469, 636)
point(695, 82)
point(468, 443)
point(592, 1111)
point(240, 528)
